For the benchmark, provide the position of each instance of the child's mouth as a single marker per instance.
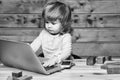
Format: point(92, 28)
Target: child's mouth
point(51, 31)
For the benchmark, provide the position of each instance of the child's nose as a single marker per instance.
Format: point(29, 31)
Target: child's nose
point(49, 25)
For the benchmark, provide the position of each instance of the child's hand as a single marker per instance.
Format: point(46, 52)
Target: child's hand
point(50, 62)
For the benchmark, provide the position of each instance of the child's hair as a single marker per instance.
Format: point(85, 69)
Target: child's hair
point(58, 10)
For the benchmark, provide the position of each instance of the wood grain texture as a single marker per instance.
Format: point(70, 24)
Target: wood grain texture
point(78, 72)
point(86, 41)
point(96, 34)
point(79, 34)
point(96, 49)
point(96, 24)
point(20, 31)
point(19, 34)
point(27, 11)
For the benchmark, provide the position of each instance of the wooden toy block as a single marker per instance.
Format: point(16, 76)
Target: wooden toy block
point(17, 74)
point(91, 60)
point(107, 63)
point(108, 58)
point(100, 59)
point(113, 69)
point(104, 66)
point(25, 77)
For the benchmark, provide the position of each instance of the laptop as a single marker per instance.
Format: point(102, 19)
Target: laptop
point(20, 55)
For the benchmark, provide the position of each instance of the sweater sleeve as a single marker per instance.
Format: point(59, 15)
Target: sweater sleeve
point(35, 45)
point(66, 49)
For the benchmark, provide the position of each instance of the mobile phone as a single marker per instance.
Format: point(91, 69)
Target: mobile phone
point(66, 64)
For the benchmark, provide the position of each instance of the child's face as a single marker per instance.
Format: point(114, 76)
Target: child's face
point(53, 27)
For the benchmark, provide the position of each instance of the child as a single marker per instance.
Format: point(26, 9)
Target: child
point(55, 38)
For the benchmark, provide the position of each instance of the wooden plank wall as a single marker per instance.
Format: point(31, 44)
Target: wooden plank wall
point(96, 24)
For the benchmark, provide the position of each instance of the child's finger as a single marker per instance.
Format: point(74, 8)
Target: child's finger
point(48, 63)
point(45, 64)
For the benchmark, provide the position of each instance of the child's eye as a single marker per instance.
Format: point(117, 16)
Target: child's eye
point(46, 22)
point(53, 23)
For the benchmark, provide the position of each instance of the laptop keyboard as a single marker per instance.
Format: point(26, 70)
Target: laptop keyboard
point(50, 67)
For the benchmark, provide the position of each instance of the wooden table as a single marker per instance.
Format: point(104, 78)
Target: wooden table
point(80, 71)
